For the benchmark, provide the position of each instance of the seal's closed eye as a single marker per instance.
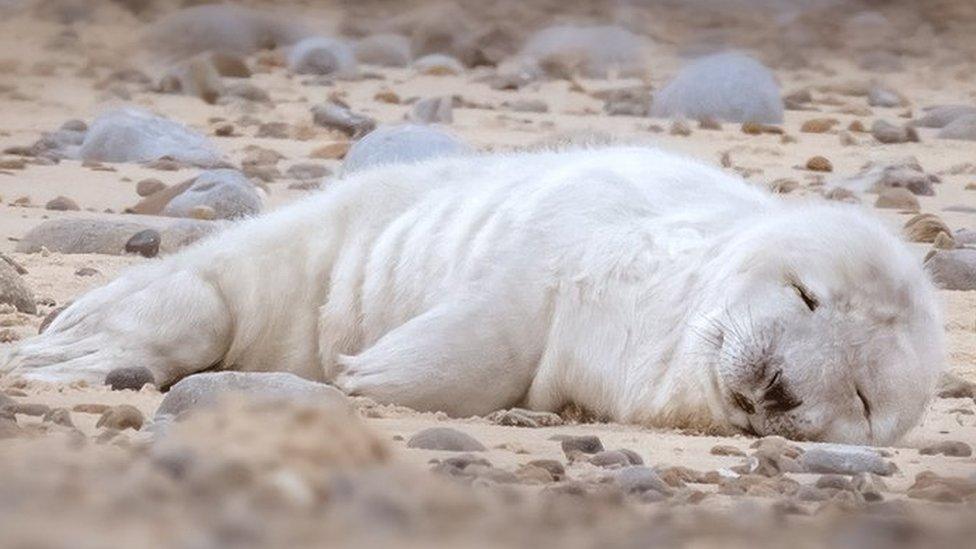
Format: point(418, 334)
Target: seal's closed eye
point(808, 298)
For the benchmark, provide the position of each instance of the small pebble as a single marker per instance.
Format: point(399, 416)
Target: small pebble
point(819, 164)
point(145, 243)
point(587, 444)
point(129, 377)
point(62, 204)
point(951, 448)
point(121, 417)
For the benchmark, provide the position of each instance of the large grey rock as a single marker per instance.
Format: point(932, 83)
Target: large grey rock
point(14, 291)
point(322, 56)
point(401, 144)
point(839, 459)
point(205, 389)
point(445, 439)
point(940, 116)
point(963, 128)
point(593, 51)
point(727, 86)
point(228, 192)
point(134, 135)
point(222, 28)
point(953, 269)
point(385, 50)
point(100, 236)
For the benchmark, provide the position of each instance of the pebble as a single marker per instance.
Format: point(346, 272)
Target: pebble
point(228, 192)
point(61, 204)
point(953, 386)
point(59, 416)
point(925, 228)
point(338, 117)
point(888, 133)
point(732, 87)
point(145, 243)
point(554, 468)
point(897, 198)
point(129, 378)
point(402, 143)
point(933, 487)
point(229, 65)
point(951, 448)
point(273, 130)
point(322, 56)
point(953, 269)
point(962, 128)
point(517, 417)
point(880, 96)
point(204, 389)
point(819, 164)
point(942, 115)
point(445, 439)
point(819, 125)
point(527, 105)
point(594, 51)
point(147, 187)
point(109, 236)
point(90, 408)
point(433, 110)
point(27, 408)
point(870, 486)
point(135, 135)
point(638, 479)
point(612, 459)
point(438, 64)
point(14, 291)
point(679, 127)
point(306, 171)
point(384, 50)
point(121, 417)
point(844, 460)
point(87, 271)
point(586, 444)
point(724, 450)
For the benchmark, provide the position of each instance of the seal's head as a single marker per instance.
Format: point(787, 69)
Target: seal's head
point(828, 329)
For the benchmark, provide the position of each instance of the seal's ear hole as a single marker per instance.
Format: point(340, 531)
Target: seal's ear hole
point(808, 298)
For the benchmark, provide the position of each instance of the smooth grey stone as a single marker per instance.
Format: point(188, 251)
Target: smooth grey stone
point(400, 144)
point(129, 378)
point(204, 389)
point(445, 439)
point(385, 50)
point(587, 444)
point(337, 117)
point(322, 56)
point(839, 459)
point(941, 115)
point(962, 128)
point(600, 49)
point(731, 87)
point(638, 479)
point(14, 291)
point(220, 28)
point(135, 135)
point(144, 243)
point(228, 192)
point(102, 236)
point(953, 269)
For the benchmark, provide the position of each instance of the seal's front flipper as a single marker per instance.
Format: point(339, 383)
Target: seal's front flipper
point(172, 322)
point(454, 358)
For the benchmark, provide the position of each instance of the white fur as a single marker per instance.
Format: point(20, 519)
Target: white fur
point(640, 285)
